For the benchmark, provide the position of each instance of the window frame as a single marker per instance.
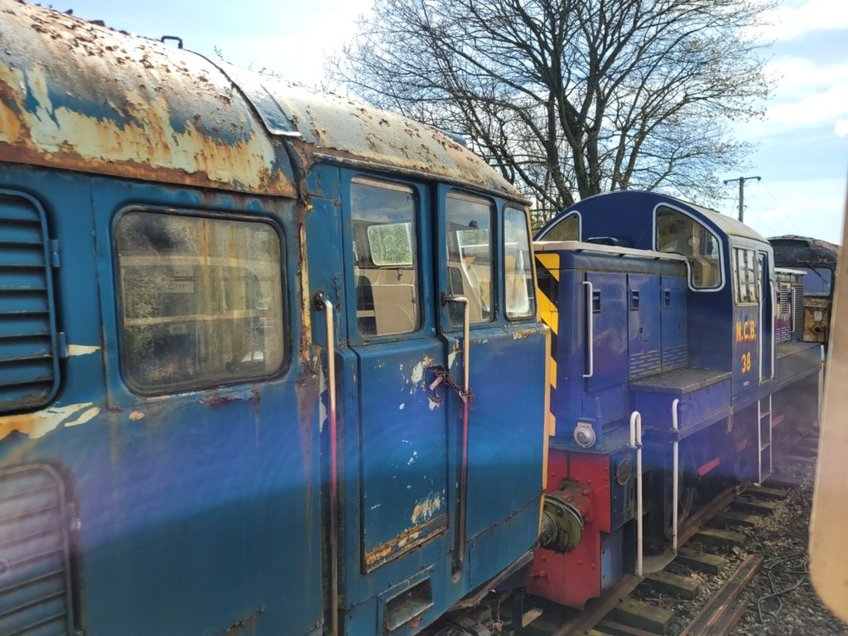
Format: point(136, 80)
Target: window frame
point(349, 253)
point(573, 213)
point(495, 252)
point(117, 290)
point(715, 234)
point(511, 207)
point(814, 271)
point(752, 279)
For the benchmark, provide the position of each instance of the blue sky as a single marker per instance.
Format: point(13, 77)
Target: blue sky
point(802, 144)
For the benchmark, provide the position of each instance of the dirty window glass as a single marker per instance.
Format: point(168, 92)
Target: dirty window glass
point(201, 300)
point(681, 234)
point(818, 280)
point(745, 276)
point(390, 244)
point(518, 273)
point(385, 261)
point(567, 229)
point(469, 250)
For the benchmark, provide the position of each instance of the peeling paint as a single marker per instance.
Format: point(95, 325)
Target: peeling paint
point(81, 350)
point(418, 370)
point(416, 377)
point(402, 405)
point(159, 113)
point(451, 359)
point(405, 541)
point(85, 416)
point(426, 508)
point(38, 424)
point(136, 416)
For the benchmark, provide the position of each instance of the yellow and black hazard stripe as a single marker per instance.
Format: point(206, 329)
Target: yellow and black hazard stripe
point(547, 292)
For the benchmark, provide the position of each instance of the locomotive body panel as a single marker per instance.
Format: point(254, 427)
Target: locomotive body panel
point(166, 354)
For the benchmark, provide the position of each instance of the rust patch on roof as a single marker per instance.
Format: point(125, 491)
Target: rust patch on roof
point(78, 96)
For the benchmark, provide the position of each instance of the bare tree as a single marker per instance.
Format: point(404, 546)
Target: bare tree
point(570, 98)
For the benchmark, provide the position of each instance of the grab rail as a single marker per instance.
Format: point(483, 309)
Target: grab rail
point(590, 326)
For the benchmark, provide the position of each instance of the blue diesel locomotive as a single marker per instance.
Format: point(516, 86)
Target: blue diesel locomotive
point(668, 376)
point(269, 360)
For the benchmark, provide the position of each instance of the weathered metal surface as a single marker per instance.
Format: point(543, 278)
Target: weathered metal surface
point(83, 97)
point(794, 251)
point(79, 96)
point(350, 131)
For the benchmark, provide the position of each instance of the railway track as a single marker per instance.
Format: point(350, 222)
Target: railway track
point(712, 556)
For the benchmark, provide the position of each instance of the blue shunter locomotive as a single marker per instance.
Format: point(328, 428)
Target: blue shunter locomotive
point(269, 360)
point(666, 344)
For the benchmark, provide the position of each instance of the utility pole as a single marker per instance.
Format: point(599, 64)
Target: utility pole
point(741, 181)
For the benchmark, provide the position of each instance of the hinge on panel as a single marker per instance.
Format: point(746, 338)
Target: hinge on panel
point(62, 342)
point(55, 259)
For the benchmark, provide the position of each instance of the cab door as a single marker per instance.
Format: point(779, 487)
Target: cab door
point(747, 320)
point(390, 316)
point(485, 259)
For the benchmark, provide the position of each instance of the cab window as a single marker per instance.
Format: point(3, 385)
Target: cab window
point(681, 234)
point(201, 300)
point(745, 281)
point(518, 274)
point(567, 229)
point(818, 281)
point(384, 257)
point(469, 256)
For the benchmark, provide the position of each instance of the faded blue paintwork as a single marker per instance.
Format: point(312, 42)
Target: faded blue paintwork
point(400, 448)
point(206, 511)
point(187, 485)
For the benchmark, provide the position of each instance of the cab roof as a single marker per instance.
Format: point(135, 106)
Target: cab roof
point(80, 96)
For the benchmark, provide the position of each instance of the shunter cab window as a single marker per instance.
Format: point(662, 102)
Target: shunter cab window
point(567, 229)
point(384, 257)
point(201, 300)
point(745, 278)
point(518, 274)
point(676, 232)
point(470, 259)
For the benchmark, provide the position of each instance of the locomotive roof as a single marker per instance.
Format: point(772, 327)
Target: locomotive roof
point(80, 96)
point(791, 249)
point(726, 224)
point(626, 201)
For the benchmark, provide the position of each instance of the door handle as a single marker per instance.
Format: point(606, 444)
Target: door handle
point(590, 328)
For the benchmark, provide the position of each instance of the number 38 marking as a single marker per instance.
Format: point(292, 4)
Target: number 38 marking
point(746, 362)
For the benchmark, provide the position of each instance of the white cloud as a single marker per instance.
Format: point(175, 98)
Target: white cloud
point(816, 108)
point(841, 127)
point(790, 22)
point(806, 94)
point(797, 77)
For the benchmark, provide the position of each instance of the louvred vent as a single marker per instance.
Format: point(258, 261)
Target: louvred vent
point(34, 556)
point(29, 367)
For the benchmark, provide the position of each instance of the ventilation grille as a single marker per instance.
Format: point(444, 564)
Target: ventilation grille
point(34, 577)
point(29, 371)
point(784, 317)
point(675, 357)
point(798, 308)
point(644, 364)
